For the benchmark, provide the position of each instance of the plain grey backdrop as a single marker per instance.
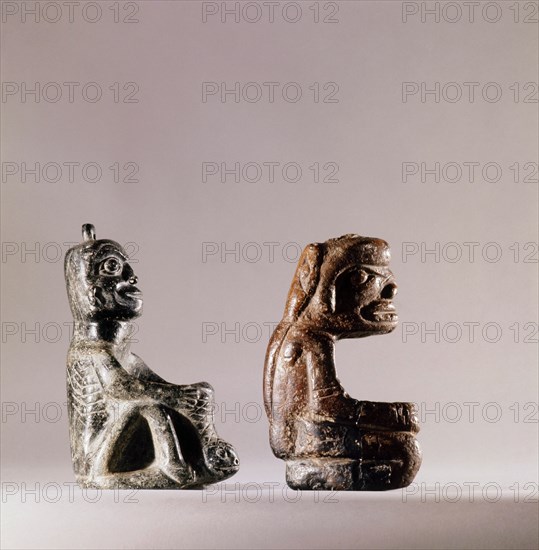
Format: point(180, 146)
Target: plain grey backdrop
point(215, 140)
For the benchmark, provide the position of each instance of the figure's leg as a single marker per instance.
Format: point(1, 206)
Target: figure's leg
point(207, 458)
point(107, 447)
point(384, 461)
point(197, 404)
point(105, 443)
point(167, 443)
point(164, 468)
point(390, 460)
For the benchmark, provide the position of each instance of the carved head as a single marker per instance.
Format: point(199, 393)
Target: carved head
point(344, 287)
point(100, 282)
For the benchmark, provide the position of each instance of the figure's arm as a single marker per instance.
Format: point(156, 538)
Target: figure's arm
point(139, 369)
point(120, 385)
point(320, 364)
point(270, 364)
point(328, 397)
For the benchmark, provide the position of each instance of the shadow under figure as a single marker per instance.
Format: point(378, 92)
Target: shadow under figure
point(342, 288)
point(129, 428)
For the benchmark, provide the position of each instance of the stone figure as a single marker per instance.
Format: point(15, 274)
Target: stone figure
point(342, 288)
point(129, 428)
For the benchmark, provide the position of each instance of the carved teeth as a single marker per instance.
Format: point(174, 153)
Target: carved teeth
point(384, 316)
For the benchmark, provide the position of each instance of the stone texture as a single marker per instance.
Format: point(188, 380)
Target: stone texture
point(342, 288)
point(129, 428)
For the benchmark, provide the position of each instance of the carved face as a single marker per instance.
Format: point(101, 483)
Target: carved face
point(364, 301)
point(111, 285)
point(100, 281)
point(344, 287)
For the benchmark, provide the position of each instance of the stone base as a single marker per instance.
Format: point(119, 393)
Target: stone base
point(155, 477)
point(334, 474)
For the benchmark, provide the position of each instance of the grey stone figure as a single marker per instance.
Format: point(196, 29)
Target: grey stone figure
point(342, 288)
point(129, 428)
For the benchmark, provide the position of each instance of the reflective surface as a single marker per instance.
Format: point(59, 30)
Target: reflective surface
point(129, 428)
point(342, 288)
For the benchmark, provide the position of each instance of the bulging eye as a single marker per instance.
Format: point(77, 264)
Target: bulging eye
point(362, 276)
point(112, 266)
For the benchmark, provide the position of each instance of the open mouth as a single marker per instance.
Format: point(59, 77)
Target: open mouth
point(380, 311)
point(129, 295)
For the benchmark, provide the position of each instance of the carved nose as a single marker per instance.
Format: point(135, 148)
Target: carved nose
point(389, 291)
point(133, 280)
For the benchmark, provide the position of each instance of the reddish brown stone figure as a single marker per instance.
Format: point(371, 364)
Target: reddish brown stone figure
point(342, 288)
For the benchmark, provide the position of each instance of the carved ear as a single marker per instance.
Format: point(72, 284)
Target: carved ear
point(95, 297)
point(309, 268)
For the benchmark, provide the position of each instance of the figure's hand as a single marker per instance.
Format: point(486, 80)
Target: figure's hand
point(407, 416)
point(193, 397)
point(200, 392)
point(396, 417)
